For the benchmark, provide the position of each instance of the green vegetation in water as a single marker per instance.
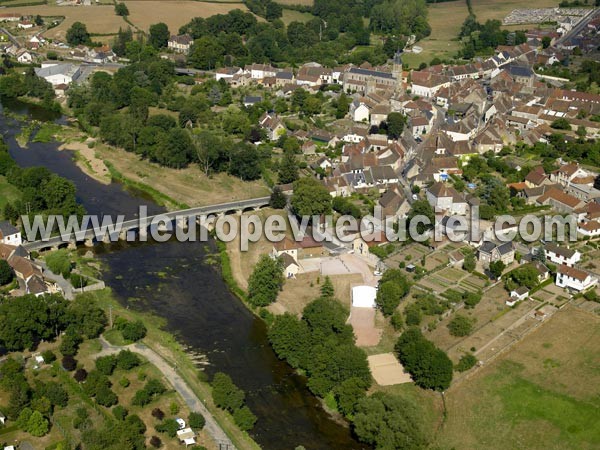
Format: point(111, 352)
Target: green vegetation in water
point(47, 132)
point(25, 134)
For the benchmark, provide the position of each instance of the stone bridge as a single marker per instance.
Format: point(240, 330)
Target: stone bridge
point(177, 218)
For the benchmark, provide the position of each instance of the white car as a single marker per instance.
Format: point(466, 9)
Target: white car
point(377, 273)
point(181, 423)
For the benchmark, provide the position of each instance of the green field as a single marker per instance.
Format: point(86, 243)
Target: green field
point(543, 394)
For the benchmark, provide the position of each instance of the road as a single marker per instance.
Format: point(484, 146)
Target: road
point(11, 38)
point(578, 27)
point(170, 373)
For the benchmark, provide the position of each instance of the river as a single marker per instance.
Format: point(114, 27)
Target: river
point(176, 281)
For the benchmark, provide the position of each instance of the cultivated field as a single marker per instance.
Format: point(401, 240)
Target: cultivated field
point(543, 394)
point(98, 19)
point(174, 13)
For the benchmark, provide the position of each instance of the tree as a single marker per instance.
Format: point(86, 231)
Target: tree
point(265, 281)
point(561, 124)
point(225, 394)
point(6, 273)
point(106, 364)
point(422, 208)
point(310, 198)
point(496, 268)
point(196, 421)
point(244, 418)
point(546, 41)
point(207, 147)
point(206, 53)
point(121, 9)
point(80, 375)
point(327, 289)
point(278, 199)
point(168, 426)
point(37, 425)
point(469, 262)
point(429, 366)
point(461, 326)
point(159, 35)
point(388, 421)
point(348, 394)
point(393, 286)
point(155, 442)
point(395, 125)
point(78, 34)
point(127, 360)
point(69, 363)
point(106, 397)
point(288, 169)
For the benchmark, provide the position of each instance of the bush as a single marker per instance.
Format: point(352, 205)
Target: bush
point(169, 427)
point(466, 362)
point(49, 356)
point(158, 413)
point(120, 412)
point(225, 394)
point(461, 326)
point(133, 331)
point(127, 360)
point(106, 364)
point(397, 321)
point(244, 418)
point(80, 375)
point(196, 421)
point(124, 382)
point(106, 397)
point(155, 442)
point(69, 363)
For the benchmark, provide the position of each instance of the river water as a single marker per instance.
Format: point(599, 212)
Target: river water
point(181, 283)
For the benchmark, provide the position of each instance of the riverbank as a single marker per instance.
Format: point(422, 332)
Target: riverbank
point(170, 350)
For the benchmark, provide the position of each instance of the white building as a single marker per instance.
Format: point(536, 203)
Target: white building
point(9, 234)
point(589, 229)
point(180, 44)
point(575, 279)
point(56, 74)
point(561, 255)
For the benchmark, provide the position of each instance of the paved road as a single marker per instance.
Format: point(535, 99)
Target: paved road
point(188, 395)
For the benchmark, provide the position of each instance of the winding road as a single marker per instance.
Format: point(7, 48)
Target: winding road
point(170, 373)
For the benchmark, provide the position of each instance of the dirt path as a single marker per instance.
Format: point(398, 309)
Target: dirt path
point(170, 373)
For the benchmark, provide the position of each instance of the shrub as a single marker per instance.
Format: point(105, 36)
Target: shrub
point(169, 427)
point(244, 418)
point(466, 361)
point(106, 364)
point(124, 382)
point(158, 413)
point(155, 442)
point(461, 326)
point(80, 375)
point(120, 412)
point(69, 363)
point(133, 331)
point(49, 356)
point(127, 360)
point(196, 420)
point(106, 397)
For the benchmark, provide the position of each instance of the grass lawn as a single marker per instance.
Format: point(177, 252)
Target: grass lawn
point(290, 15)
point(542, 394)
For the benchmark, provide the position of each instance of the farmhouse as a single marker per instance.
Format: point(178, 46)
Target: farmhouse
point(180, 44)
point(57, 74)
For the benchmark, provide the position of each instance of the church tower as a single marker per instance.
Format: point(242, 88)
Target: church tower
point(371, 85)
point(397, 70)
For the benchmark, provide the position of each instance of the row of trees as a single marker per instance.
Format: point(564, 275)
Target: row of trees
point(226, 395)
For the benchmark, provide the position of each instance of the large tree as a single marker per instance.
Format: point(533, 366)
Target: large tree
point(265, 282)
point(310, 198)
point(206, 53)
point(159, 35)
point(389, 422)
point(78, 34)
